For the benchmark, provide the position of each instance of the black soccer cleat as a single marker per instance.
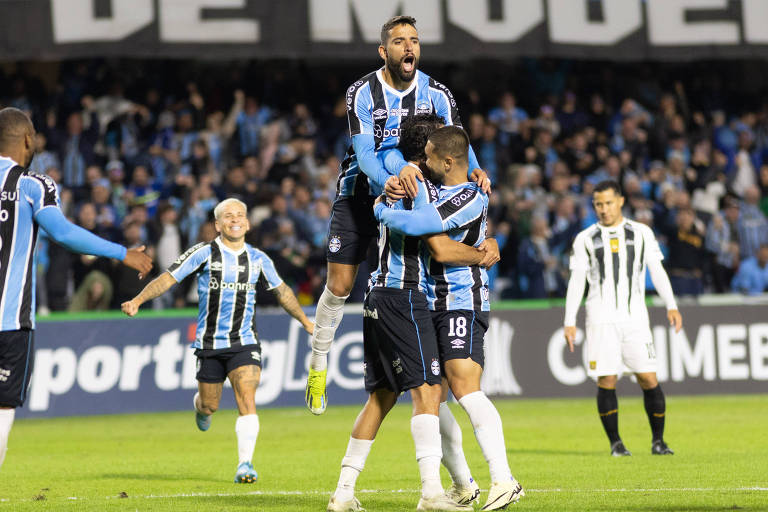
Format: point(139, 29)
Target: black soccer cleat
point(619, 450)
point(660, 448)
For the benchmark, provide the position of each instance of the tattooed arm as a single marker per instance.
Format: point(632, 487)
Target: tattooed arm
point(156, 288)
point(290, 304)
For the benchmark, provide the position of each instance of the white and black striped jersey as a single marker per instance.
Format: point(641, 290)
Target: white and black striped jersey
point(615, 260)
point(226, 285)
point(375, 108)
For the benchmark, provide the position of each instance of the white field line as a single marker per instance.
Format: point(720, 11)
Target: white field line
point(326, 492)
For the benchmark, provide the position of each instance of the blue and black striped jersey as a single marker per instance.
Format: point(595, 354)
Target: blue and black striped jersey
point(226, 286)
point(374, 108)
point(23, 194)
point(452, 287)
point(460, 212)
point(400, 256)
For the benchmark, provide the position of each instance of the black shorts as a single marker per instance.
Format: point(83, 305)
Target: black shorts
point(460, 334)
point(213, 366)
point(400, 348)
point(17, 357)
point(352, 230)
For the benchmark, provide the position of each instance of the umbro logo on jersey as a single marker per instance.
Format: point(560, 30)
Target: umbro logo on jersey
point(216, 266)
point(380, 113)
point(457, 343)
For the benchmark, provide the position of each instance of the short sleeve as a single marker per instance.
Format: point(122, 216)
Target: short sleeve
point(461, 207)
point(41, 191)
point(579, 258)
point(269, 272)
point(190, 261)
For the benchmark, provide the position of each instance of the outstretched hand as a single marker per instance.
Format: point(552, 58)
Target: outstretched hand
point(138, 260)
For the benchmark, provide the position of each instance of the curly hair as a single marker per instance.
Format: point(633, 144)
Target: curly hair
point(414, 132)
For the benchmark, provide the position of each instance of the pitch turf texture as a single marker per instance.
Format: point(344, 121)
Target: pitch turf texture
point(556, 449)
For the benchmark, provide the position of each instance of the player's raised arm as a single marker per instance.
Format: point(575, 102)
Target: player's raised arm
point(154, 289)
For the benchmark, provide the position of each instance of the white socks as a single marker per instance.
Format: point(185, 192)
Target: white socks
point(330, 310)
point(453, 453)
point(6, 422)
point(489, 433)
point(247, 429)
point(351, 466)
point(425, 429)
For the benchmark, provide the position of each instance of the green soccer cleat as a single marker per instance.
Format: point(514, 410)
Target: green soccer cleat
point(246, 474)
point(315, 392)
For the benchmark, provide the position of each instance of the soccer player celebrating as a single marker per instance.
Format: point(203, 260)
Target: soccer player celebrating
point(612, 256)
point(401, 353)
point(29, 201)
point(376, 105)
point(458, 300)
point(226, 345)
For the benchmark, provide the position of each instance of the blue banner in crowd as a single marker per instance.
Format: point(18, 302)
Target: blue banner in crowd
point(144, 364)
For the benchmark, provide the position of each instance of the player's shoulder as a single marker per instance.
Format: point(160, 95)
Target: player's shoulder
point(639, 227)
point(587, 233)
point(255, 252)
point(360, 83)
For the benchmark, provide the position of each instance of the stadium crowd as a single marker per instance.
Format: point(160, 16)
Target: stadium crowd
point(143, 150)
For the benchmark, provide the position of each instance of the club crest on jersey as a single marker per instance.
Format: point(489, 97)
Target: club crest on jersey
point(484, 293)
point(334, 244)
point(614, 245)
point(255, 267)
point(435, 367)
point(457, 343)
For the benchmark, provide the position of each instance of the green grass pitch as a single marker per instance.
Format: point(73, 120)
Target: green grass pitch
point(556, 448)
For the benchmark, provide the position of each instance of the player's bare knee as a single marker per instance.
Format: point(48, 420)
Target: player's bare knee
point(647, 380)
point(209, 406)
point(341, 278)
point(606, 382)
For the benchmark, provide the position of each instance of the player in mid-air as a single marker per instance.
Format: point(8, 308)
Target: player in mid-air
point(376, 105)
point(613, 255)
point(28, 202)
point(226, 343)
point(458, 300)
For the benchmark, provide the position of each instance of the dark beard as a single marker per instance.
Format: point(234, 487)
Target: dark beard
point(395, 69)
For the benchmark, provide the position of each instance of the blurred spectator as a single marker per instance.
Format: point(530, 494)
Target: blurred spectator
point(752, 277)
point(536, 264)
point(686, 255)
point(753, 225)
point(722, 241)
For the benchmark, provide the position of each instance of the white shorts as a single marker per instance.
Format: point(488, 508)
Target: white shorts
point(618, 348)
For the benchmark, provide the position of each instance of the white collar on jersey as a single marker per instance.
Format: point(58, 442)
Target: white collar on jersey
point(224, 247)
point(616, 227)
point(392, 89)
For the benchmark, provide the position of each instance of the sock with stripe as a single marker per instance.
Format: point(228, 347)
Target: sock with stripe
point(453, 452)
point(6, 422)
point(608, 407)
point(247, 429)
point(351, 466)
point(655, 408)
point(425, 429)
point(489, 433)
point(330, 310)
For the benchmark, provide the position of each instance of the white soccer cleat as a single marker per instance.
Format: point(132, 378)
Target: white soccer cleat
point(352, 505)
point(464, 495)
point(502, 494)
point(441, 502)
